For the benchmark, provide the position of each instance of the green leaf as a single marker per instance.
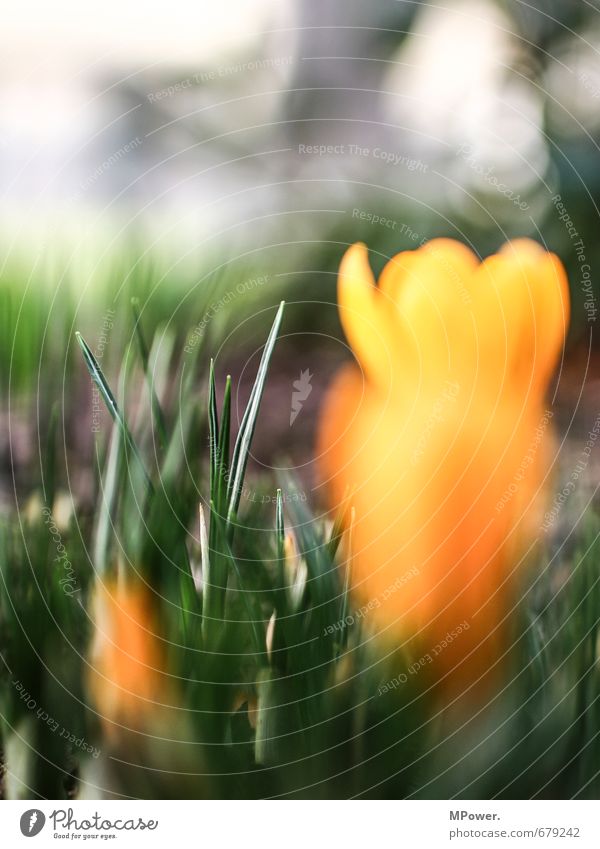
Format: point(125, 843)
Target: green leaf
point(157, 411)
point(246, 432)
point(110, 492)
point(213, 431)
point(323, 584)
point(223, 448)
point(249, 598)
point(204, 554)
point(280, 533)
point(111, 403)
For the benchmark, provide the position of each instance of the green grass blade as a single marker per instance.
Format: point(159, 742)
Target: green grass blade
point(223, 448)
point(244, 438)
point(111, 403)
point(109, 494)
point(157, 410)
point(213, 431)
point(100, 380)
point(215, 576)
point(279, 526)
point(286, 626)
point(204, 554)
point(280, 533)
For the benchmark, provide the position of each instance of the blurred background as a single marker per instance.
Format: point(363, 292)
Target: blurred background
point(181, 153)
point(190, 125)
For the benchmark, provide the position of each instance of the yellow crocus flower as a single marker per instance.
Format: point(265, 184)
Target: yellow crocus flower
point(441, 428)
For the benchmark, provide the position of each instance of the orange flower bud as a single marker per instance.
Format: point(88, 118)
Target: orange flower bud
point(128, 680)
point(442, 430)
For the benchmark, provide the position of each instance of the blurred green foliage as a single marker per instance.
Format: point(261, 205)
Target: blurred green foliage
point(282, 692)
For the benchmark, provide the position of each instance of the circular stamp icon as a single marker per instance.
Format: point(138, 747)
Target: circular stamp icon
point(32, 822)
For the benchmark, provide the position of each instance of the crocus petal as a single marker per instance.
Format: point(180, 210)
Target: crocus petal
point(430, 289)
point(522, 314)
point(363, 316)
